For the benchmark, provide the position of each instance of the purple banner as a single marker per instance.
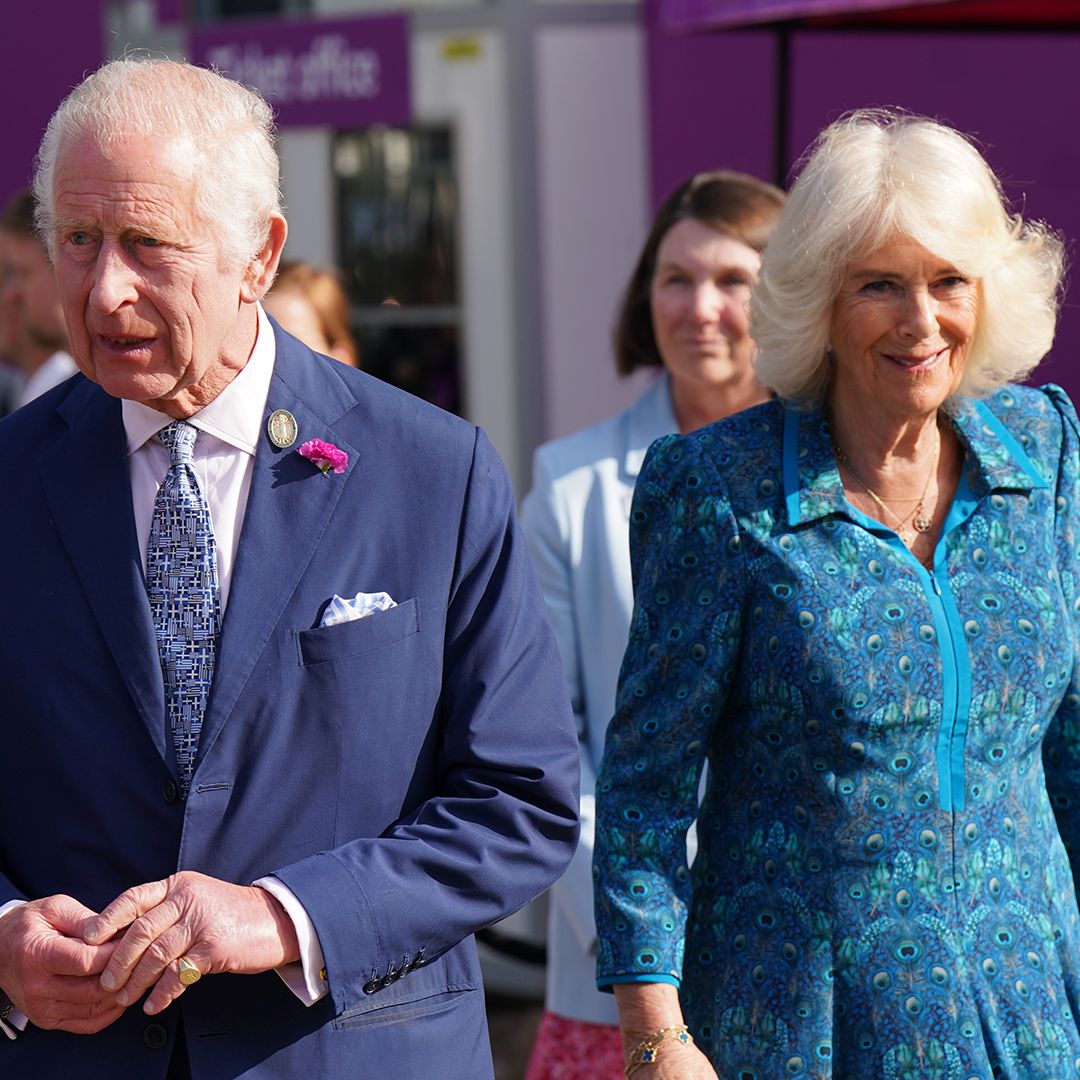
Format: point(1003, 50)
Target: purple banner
point(713, 14)
point(344, 73)
point(170, 11)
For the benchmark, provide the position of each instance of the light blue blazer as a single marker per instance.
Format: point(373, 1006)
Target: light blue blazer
point(576, 520)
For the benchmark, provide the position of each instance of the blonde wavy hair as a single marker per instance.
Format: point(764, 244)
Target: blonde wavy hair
point(868, 176)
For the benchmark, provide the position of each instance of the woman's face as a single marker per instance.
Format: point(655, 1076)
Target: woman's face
point(902, 326)
point(296, 315)
point(700, 303)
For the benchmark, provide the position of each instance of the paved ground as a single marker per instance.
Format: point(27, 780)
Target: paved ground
point(513, 1025)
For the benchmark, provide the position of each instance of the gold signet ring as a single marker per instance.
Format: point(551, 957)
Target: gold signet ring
point(189, 973)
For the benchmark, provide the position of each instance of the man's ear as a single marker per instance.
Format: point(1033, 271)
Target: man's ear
point(260, 272)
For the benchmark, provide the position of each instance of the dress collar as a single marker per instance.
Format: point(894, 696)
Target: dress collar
point(994, 458)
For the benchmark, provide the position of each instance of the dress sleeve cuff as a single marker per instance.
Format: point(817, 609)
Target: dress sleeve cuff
point(606, 982)
point(306, 978)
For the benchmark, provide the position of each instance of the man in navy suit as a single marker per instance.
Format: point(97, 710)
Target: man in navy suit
point(285, 881)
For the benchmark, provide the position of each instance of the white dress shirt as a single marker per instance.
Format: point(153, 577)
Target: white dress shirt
point(230, 427)
point(54, 371)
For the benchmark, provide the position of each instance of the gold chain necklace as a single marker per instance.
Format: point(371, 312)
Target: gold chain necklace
point(921, 522)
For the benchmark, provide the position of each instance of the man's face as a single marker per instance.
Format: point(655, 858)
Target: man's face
point(10, 318)
point(29, 297)
point(154, 311)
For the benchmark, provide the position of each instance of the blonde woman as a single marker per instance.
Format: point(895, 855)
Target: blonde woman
point(858, 602)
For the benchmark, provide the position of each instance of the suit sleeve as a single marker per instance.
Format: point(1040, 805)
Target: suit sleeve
point(546, 521)
point(502, 823)
point(1061, 746)
point(680, 661)
point(8, 891)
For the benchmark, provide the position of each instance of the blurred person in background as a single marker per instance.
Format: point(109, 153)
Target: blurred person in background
point(686, 313)
point(39, 340)
point(11, 379)
point(859, 603)
point(309, 303)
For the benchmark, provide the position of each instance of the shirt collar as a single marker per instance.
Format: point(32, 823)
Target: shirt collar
point(234, 416)
point(994, 459)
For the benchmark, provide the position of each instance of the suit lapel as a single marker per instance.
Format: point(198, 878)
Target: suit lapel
point(90, 502)
point(289, 507)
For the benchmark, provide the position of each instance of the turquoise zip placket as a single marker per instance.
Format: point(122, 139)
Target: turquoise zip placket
point(955, 685)
point(952, 645)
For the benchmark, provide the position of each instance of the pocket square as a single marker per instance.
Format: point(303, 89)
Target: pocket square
point(340, 610)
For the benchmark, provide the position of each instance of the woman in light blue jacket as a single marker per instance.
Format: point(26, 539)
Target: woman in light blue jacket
point(686, 313)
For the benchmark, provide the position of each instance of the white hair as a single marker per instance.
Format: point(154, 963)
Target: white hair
point(877, 173)
point(229, 128)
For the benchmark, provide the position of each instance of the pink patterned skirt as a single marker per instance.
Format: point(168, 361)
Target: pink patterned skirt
point(575, 1050)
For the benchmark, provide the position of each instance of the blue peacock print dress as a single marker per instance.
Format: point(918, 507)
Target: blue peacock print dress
point(882, 887)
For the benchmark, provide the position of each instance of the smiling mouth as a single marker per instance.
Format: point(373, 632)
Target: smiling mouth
point(926, 362)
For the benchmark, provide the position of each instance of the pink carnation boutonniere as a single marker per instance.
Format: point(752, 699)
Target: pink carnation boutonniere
point(325, 456)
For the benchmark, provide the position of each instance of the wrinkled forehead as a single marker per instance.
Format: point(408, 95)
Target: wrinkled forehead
point(137, 175)
point(126, 157)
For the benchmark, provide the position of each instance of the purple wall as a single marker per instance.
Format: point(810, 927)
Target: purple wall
point(1016, 92)
point(45, 49)
point(711, 103)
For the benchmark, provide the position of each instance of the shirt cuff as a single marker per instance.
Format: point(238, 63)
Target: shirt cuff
point(306, 978)
point(12, 1020)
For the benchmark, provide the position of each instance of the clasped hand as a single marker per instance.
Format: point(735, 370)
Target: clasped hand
point(50, 972)
point(69, 968)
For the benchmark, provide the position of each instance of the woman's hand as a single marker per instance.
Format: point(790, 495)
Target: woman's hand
point(678, 1061)
point(646, 1008)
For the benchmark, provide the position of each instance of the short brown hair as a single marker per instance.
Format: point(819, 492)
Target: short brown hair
point(739, 206)
point(17, 216)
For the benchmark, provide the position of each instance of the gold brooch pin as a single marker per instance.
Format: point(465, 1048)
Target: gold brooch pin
point(281, 427)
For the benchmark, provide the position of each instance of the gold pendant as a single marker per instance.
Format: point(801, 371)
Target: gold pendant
point(923, 524)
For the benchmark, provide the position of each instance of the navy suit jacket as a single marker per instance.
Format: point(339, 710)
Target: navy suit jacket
point(411, 776)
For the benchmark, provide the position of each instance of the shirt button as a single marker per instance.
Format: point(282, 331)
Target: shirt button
point(371, 987)
point(155, 1036)
point(169, 791)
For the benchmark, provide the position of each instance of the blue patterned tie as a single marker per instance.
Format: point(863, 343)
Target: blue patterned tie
point(182, 585)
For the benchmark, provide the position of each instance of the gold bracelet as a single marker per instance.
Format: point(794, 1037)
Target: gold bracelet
point(647, 1052)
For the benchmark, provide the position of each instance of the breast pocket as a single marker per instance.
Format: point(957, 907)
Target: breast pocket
point(326, 644)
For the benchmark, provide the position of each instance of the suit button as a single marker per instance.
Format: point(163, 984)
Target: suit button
point(155, 1036)
point(371, 987)
point(390, 978)
point(169, 791)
